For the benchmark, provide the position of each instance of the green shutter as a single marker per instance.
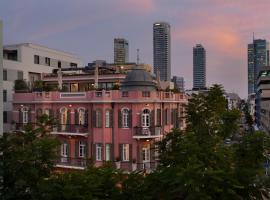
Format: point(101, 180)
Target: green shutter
point(76, 149)
point(94, 119)
point(20, 116)
point(130, 152)
point(94, 147)
point(101, 119)
point(158, 117)
point(130, 118)
point(119, 119)
point(111, 118)
point(86, 117)
point(86, 149)
point(76, 117)
point(29, 116)
point(121, 152)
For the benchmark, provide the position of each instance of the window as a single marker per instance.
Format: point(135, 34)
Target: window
point(63, 118)
point(59, 64)
point(4, 95)
point(82, 149)
point(145, 93)
point(98, 119)
point(64, 152)
point(4, 75)
point(47, 61)
point(125, 116)
point(36, 59)
point(24, 115)
point(146, 118)
point(125, 152)
point(19, 75)
point(107, 119)
point(125, 94)
point(98, 152)
point(108, 152)
point(5, 117)
point(73, 64)
point(81, 116)
point(47, 111)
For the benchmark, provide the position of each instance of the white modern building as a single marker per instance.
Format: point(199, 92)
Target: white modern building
point(28, 61)
point(233, 100)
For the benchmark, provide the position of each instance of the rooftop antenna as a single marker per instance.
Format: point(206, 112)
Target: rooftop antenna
point(138, 56)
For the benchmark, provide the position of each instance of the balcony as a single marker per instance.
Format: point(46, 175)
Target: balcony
point(70, 129)
point(72, 163)
point(147, 132)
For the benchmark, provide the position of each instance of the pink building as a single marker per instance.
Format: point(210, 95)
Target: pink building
point(109, 125)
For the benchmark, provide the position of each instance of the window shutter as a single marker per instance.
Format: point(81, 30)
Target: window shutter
point(76, 117)
point(38, 112)
point(94, 150)
point(152, 152)
point(86, 149)
point(172, 116)
point(111, 152)
point(20, 116)
point(102, 152)
point(86, 117)
point(152, 118)
point(68, 148)
point(130, 118)
point(68, 117)
point(130, 152)
point(29, 116)
point(158, 117)
point(121, 152)
point(94, 119)
point(119, 119)
point(111, 119)
point(140, 120)
point(50, 113)
point(76, 149)
point(100, 119)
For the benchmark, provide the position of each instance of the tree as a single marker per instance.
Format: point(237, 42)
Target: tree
point(26, 159)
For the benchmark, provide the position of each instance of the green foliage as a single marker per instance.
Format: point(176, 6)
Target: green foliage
point(26, 159)
point(20, 85)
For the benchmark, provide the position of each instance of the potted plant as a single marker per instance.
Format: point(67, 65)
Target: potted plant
point(134, 164)
point(117, 162)
point(21, 86)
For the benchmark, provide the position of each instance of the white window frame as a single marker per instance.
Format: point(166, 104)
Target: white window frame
point(47, 111)
point(107, 119)
point(98, 152)
point(25, 115)
point(125, 116)
point(64, 149)
point(98, 118)
point(108, 152)
point(146, 118)
point(82, 148)
point(81, 116)
point(125, 152)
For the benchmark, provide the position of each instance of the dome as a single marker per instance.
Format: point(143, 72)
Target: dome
point(138, 79)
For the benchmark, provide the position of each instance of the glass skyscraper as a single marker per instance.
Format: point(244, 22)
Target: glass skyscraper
point(120, 51)
point(199, 65)
point(258, 56)
point(162, 50)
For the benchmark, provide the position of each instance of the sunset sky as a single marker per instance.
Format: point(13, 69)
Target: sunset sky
point(88, 27)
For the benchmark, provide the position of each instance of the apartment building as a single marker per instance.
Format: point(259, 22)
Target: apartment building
point(28, 61)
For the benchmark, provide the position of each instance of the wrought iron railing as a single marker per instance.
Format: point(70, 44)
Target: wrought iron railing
point(73, 162)
point(147, 131)
point(71, 128)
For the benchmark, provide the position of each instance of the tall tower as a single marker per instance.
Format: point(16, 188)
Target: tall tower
point(120, 51)
point(199, 66)
point(1, 77)
point(258, 56)
point(162, 50)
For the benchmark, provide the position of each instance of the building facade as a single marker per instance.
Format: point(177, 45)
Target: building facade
point(258, 56)
point(121, 52)
point(179, 83)
point(199, 67)
point(162, 50)
point(1, 76)
point(28, 61)
point(263, 99)
point(121, 126)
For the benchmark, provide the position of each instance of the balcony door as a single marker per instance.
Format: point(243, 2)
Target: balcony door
point(146, 118)
point(146, 156)
point(64, 152)
point(63, 119)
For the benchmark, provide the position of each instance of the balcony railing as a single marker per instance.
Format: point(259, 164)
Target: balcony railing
point(70, 128)
point(147, 132)
point(75, 163)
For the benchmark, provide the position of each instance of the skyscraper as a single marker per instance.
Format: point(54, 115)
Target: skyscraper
point(120, 51)
point(179, 83)
point(199, 65)
point(258, 56)
point(162, 50)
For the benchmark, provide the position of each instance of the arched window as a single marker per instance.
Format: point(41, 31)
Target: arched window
point(63, 118)
point(47, 111)
point(146, 118)
point(81, 116)
point(125, 118)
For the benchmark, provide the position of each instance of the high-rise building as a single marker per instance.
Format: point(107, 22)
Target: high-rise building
point(199, 66)
point(1, 77)
point(162, 50)
point(258, 56)
point(120, 51)
point(179, 83)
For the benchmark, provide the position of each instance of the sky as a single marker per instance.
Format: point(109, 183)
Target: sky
point(87, 28)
